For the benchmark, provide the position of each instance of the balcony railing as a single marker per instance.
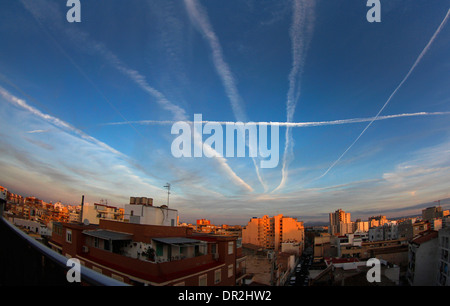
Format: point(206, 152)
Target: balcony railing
point(25, 261)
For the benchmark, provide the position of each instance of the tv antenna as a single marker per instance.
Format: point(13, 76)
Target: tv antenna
point(168, 192)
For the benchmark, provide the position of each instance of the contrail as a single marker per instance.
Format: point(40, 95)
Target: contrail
point(300, 33)
point(41, 12)
point(424, 51)
point(55, 121)
point(200, 18)
point(288, 124)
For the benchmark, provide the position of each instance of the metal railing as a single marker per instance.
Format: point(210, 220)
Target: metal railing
point(25, 261)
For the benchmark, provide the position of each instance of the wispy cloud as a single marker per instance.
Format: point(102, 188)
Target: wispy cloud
point(55, 121)
point(36, 131)
point(300, 32)
point(67, 160)
point(419, 58)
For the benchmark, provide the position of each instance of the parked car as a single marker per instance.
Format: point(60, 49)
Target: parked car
point(292, 280)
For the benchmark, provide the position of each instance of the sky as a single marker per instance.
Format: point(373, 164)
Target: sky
point(363, 109)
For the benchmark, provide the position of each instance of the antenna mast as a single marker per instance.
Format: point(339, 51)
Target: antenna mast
point(168, 192)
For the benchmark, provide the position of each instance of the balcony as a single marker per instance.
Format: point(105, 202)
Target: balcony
point(33, 263)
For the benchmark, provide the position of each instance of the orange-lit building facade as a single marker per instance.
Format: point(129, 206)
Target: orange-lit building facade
point(152, 255)
point(271, 232)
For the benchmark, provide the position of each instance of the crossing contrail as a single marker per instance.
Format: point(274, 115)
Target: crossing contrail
point(300, 32)
point(200, 19)
point(424, 51)
point(288, 124)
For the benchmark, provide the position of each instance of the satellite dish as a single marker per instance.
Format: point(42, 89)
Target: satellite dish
point(86, 222)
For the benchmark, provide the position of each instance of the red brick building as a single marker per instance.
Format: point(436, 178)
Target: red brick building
point(152, 255)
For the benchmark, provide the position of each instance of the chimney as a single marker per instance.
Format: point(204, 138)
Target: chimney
point(82, 207)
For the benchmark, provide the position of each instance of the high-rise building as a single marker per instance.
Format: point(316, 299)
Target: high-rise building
point(340, 223)
point(270, 232)
point(434, 212)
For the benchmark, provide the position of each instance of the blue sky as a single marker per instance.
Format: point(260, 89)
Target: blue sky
point(74, 98)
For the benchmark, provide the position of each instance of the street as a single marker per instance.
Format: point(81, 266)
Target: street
point(300, 276)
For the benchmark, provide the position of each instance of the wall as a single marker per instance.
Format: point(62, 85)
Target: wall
point(144, 233)
point(151, 215)
point(426, 263)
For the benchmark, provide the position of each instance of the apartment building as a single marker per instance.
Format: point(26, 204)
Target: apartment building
point(443, 260)
point(140, 254)
point(340, 223)
point(94, 213)
point(376, 221)
point(270, 232)
point(389, 231)
point(422, 257)
point(361, 226)
point(410, 229)
point(434, 212)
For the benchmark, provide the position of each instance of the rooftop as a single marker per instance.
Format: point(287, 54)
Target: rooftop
point(108, 235)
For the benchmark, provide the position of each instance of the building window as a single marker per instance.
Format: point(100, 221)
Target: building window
point(69, 236)
point(217, 276)
point(230, 247)
point(230, 270)
point(203, 280)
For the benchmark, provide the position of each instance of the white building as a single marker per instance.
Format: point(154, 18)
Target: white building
point(142, 211)
point(3, 194)
point(33, 226)
point(346, 242)
point(389, 231)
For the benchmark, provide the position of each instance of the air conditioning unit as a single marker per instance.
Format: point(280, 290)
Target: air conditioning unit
point(85, 249)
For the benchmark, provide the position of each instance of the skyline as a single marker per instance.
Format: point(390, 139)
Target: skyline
point(95, 101)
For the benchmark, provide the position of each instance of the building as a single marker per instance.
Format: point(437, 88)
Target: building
point(349, 245)
point(422, 256)
point(436, 224)
point(154, 255)
point(376, 221)
point(3, 194)
point(270, 232)
point(93, 213)
point(361, 226)
point(388, 231)
point(410, 229)
point(434, 212)
point(142, 211)
point(340, 223)
point(443, 272)
point(353, 272)
point(324, 247)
